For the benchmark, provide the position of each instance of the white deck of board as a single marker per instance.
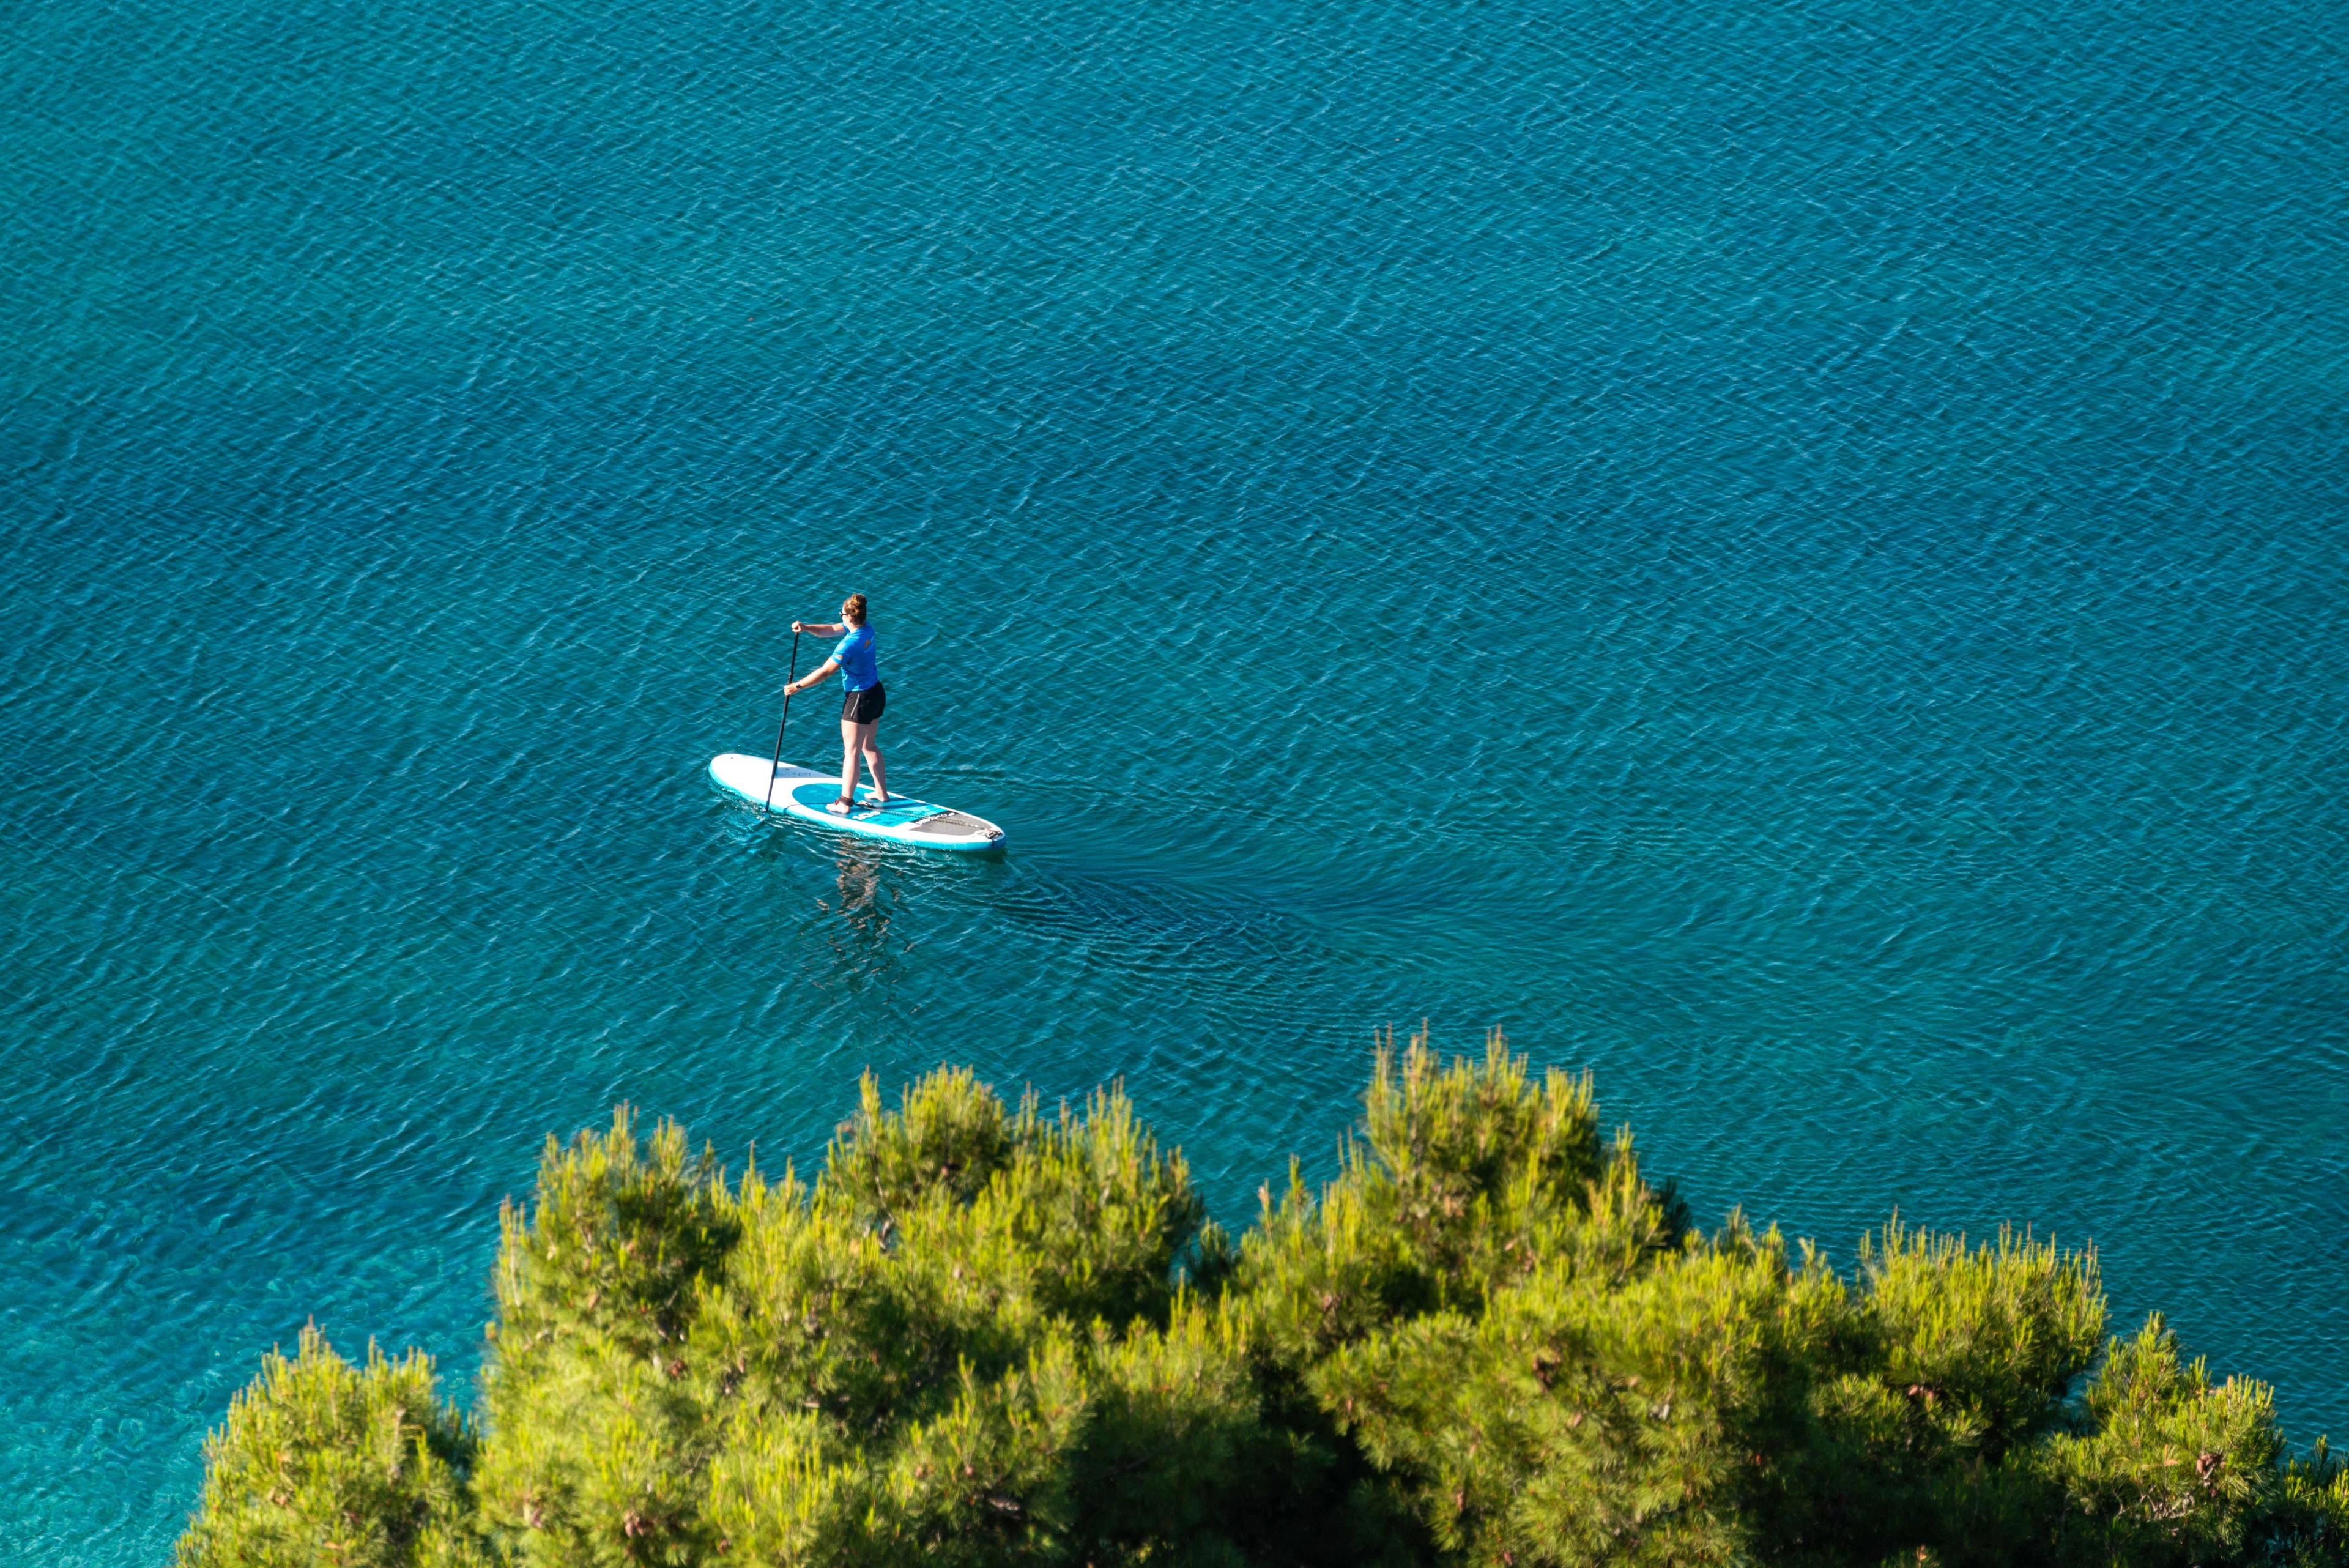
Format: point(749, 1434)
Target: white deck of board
point(756, 780)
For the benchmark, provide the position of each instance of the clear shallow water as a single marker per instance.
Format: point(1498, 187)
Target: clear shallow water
point(1795, 558)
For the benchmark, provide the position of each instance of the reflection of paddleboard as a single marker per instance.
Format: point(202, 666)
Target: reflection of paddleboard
point(804, 793)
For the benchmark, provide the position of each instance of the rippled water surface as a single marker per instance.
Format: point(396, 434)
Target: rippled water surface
point(1794, 556)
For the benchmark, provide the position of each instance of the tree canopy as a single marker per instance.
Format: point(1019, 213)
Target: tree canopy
point(988, 1335)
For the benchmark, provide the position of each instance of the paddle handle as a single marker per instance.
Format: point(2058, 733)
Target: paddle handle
point(776, 766)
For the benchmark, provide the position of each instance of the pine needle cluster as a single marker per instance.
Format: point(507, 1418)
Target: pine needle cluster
point(987, 1335)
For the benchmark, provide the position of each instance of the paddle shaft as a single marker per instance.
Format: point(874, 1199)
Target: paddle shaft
point(777, 765)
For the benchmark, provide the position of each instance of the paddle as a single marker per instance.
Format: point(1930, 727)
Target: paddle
point(776, 766)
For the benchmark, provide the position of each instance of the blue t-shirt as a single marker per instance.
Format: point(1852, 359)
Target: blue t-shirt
point(859, 662)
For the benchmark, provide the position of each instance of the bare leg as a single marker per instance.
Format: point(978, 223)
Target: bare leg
point(870, 744)
point(848, 745)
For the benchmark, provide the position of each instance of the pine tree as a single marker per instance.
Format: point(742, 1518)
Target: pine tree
point(984, 1335)
point(325, 1463)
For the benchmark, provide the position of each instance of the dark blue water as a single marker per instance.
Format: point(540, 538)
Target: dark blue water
point(1795, 555)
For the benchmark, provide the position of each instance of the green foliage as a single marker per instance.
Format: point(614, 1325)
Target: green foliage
point(596, 1433)
point(324, 1462)
point(986, 1335)
point(1448, 1144)
point(1592, 1415)
point(620, 1234)
point(2172, 1470)
point(2307, 1517)
point(948, 1138)
point(1983, 1347)
point(1944, 1363)
point(1466, 1175)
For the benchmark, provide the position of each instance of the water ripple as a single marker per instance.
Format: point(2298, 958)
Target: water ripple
point(1791, 556)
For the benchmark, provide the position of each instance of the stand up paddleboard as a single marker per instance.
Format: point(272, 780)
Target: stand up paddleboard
point(804, 793)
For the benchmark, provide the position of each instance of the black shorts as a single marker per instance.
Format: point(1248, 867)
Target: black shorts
point(864, 707)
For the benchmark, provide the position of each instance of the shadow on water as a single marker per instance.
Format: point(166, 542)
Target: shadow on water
point(883, 900)
point(852, 923)
point(853, 935)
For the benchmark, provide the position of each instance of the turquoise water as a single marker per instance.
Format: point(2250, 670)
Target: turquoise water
point(1792, 555)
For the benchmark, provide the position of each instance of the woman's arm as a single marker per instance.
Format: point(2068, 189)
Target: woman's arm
point(820, 672)
point(820, 627)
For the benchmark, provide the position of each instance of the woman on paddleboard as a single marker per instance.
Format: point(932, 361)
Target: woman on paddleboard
point(859, 664)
